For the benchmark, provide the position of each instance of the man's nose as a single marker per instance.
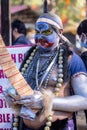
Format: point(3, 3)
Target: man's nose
point(40, 36)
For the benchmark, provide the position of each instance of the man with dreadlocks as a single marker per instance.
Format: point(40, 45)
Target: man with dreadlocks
point(58, 77)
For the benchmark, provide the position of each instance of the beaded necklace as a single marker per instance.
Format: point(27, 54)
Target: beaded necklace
point(15, 122)
point(58, 85)
point(46, 72)
point(56, 90)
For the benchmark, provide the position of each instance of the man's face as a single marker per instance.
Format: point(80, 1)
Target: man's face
point(14, 34)
point(45, 36)
point(83, 40)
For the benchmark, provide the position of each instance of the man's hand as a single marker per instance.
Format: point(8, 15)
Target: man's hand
point(11, 97)
point(31, 101)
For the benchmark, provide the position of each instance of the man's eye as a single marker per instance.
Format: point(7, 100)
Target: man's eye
point(47, 32)
point(36, 31)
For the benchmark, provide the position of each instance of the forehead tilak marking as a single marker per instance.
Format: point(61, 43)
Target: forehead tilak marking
point(43, 26)
point(40, 26)
point(49, 21)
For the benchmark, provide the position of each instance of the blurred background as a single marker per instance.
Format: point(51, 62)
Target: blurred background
point(72, 12)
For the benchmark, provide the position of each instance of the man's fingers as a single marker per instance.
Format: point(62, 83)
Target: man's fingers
point(16, 97)
point(26, 97)
point(27, 101)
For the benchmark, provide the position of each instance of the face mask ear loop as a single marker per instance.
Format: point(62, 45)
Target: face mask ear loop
point(83, 37)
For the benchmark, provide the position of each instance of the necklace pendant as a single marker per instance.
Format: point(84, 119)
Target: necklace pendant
point(38, 88)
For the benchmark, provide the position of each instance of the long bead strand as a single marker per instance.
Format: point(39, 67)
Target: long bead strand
point(58, 85)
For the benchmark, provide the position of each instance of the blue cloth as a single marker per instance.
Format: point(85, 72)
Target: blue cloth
point(21, 40)
point(76, 65)
point(84, 44)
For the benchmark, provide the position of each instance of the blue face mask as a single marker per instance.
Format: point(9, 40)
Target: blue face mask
point(45, 36)
point(84, 43)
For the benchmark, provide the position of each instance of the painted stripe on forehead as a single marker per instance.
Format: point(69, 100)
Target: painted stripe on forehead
point(49, 21)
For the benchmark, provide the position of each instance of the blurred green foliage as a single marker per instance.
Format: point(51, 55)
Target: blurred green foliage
point(27, 2)
point(74, 11)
